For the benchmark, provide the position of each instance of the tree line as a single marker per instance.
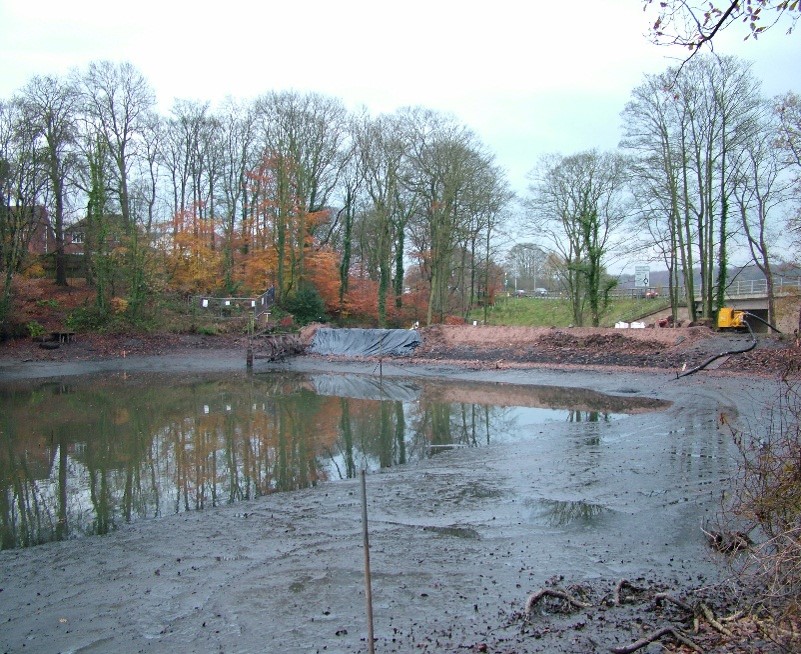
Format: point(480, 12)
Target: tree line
point(289, 191)
point(705, 164)
point(392, 217)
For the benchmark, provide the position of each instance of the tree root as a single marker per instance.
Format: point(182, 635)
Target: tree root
point(665, 597)
point(623, 583)
point(531, 602)
point(698, 612)
point(677, 635)
point(710, 618)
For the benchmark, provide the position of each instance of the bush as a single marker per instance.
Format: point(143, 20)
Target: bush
point(35, 329)
point(766, 506)
point(87, 319)
point(306, 305)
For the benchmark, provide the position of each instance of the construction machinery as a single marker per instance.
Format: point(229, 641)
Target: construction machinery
point(729, 318)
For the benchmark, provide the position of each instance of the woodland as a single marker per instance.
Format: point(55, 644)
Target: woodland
point(388, 219)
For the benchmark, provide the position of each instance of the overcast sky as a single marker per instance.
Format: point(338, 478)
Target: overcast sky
point(528, 77)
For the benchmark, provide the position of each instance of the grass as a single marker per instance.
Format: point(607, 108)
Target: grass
point(556, 312)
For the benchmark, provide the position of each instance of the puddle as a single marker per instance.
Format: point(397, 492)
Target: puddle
point(86, 455)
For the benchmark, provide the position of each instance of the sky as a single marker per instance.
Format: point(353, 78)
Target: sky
point(528, 77)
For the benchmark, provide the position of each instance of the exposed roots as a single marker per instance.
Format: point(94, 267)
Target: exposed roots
point(694, 614)
point(531, 602)
point(666, 597)
point(710, 618)
point(676, 634)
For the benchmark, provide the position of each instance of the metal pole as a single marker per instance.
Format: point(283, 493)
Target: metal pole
point(368, 592)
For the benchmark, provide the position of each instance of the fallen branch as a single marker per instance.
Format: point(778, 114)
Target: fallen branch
point(531, 602)
point(677, 635)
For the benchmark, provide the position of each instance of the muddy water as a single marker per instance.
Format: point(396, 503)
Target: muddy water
point(81, 456)
point(458, 538)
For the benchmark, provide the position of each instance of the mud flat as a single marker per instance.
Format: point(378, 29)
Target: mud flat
point(458, 542)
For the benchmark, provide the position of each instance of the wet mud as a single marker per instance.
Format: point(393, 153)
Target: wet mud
point(458, 542)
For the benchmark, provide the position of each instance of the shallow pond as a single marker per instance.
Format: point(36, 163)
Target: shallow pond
point(81, 456)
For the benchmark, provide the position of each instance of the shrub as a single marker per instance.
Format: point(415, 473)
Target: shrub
point(306, 305)
point(766, 506)
point(119, 305)
point(89, 318)
point(35, 329)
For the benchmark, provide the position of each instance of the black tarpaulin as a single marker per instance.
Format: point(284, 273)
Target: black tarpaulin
point(365, 342)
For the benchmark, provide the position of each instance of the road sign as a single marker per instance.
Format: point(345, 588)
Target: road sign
point(642, 276)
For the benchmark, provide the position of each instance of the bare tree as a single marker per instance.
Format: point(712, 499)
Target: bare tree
point(528, 264)
point(382, 153)
point(118, 99)
point(237, 136)
point(117, 102)
point(686, 127)
point(447, 167)
point(788, 110)
point(577, 203)
point(23, 183)
point(49, 105)
point(761, 191)
point(302, 136)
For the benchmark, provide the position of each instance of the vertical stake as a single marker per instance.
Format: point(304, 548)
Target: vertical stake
point(368, 591)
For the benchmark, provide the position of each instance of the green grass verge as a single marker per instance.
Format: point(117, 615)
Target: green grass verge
point(556, 312)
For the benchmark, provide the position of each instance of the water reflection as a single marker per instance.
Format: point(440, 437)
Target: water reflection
point(561, 513)
point(83, 457)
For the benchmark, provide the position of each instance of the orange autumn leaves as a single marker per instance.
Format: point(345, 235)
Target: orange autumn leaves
point(276, 243)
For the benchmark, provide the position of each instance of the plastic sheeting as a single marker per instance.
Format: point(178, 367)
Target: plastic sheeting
point(365, 342)
point(362, 387)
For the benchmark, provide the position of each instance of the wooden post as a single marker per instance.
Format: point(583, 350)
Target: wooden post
point(367, 576)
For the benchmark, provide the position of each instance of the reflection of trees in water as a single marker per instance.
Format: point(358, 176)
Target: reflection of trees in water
point(588, 416)
point(139, 452)
point(464, 424)
point(372, 434)
point(560, 513)
point(592, 418)
point(84, 459)
point(384, 433)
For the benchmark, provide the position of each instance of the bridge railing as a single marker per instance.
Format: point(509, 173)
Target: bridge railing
point(759, 287)
point(737, 289)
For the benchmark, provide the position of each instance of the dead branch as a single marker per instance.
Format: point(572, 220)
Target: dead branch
point(677, 635)
point(531, 602)
point(728, 542)
point(733, 617)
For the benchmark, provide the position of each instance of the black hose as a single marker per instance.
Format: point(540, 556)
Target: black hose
point(764, 322)
point(722, 354)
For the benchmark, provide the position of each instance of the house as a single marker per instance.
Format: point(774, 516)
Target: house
point(32, 226)
point(76, 234)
